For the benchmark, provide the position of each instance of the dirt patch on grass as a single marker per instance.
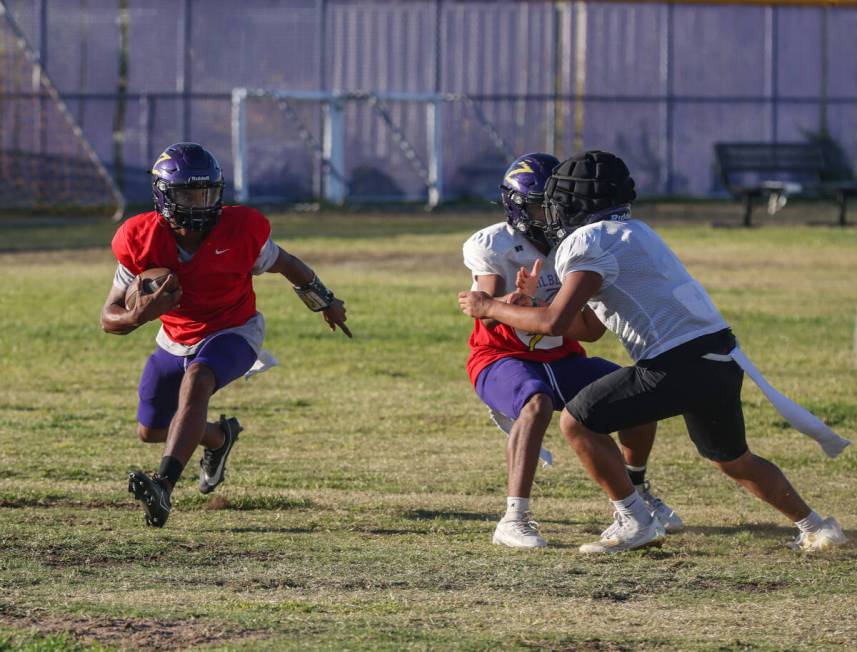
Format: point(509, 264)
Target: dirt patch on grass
point(21, 502)
point(217, 502)
point(588, 645)
point(133, 633)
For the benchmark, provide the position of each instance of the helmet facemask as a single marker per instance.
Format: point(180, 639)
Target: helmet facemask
point(522, 195)
point(193, 206)
point(526, 213)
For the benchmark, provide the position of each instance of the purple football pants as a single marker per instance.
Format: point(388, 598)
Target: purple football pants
point(228, 356)
point(507, 385)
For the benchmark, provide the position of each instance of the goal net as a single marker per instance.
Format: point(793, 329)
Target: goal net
point(363, 146)
point(46, 163)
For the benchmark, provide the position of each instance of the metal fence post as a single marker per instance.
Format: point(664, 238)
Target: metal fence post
point(666, 74)
point(825, 72)
point(334, 151)
point(771, 65)
point(550, 108)
point(183, 80)
point(580, 55)
point(321, 11)
point(239, 145)
point(439, 45)
point(39, 105)
point(434, 132)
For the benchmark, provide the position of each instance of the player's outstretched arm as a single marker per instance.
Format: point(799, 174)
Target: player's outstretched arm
point(311, 290)
point(555, 319)
point(118, 320)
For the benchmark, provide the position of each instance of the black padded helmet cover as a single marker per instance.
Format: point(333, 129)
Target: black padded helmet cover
point(584, 187)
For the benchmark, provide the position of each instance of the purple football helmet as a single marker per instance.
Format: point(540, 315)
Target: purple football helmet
point(187, 185)
point(522, 190)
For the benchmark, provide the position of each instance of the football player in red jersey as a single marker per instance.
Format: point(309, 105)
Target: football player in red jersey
point(524, 377)
point(210, 332)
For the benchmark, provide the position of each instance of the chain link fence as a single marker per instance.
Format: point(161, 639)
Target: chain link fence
point(658, 83)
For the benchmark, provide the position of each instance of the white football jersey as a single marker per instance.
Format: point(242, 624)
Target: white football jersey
point(501, 250)
point(647, 298)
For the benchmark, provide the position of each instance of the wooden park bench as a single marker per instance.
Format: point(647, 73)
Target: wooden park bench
point(775, 171)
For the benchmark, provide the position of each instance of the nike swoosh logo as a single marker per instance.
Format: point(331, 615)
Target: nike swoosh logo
point(220, 251)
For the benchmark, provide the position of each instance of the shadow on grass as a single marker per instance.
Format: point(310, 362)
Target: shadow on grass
point(274, 529)
point(431, 515)
point(756, 529)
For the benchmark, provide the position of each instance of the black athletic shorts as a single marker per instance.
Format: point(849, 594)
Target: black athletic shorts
point(680, 381)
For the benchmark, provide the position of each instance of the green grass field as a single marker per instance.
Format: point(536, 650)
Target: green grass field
point(360, 501)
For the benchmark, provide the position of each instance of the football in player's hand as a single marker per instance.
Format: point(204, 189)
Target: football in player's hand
point(152, 278)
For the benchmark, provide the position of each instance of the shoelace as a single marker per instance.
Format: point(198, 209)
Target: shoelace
point(657, 505)
point(615, 526)
point(526, 526)
point(208, 459)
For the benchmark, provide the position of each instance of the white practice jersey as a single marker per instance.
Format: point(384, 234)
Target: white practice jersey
point(647, 298)
point(501, 250)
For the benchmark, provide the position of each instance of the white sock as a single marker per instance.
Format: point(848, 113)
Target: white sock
point(633, 507)
point(515, 507)
point(811, 523)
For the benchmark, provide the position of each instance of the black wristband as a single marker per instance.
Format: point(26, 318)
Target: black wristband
point(315, 295)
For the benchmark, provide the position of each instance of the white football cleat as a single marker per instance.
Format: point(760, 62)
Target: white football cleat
point(519, 533)
point(829, 535)
point(626, 534)
point(666, 515)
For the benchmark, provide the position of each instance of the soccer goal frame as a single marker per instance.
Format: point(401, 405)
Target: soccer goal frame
point(330, 149)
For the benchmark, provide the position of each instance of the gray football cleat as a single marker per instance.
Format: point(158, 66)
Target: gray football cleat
point(626, 534)
point(671, 521)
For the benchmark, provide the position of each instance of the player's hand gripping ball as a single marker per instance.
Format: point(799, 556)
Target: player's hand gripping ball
point(152, 279)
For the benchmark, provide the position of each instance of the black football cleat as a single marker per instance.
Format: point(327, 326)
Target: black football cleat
point(154, 496)
point(212, 466)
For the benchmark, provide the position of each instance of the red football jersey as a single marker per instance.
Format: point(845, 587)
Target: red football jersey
point(217, 282)
point(489, 345)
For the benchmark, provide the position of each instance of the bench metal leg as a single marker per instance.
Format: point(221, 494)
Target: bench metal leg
point(748, 210)
point(843, 201)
